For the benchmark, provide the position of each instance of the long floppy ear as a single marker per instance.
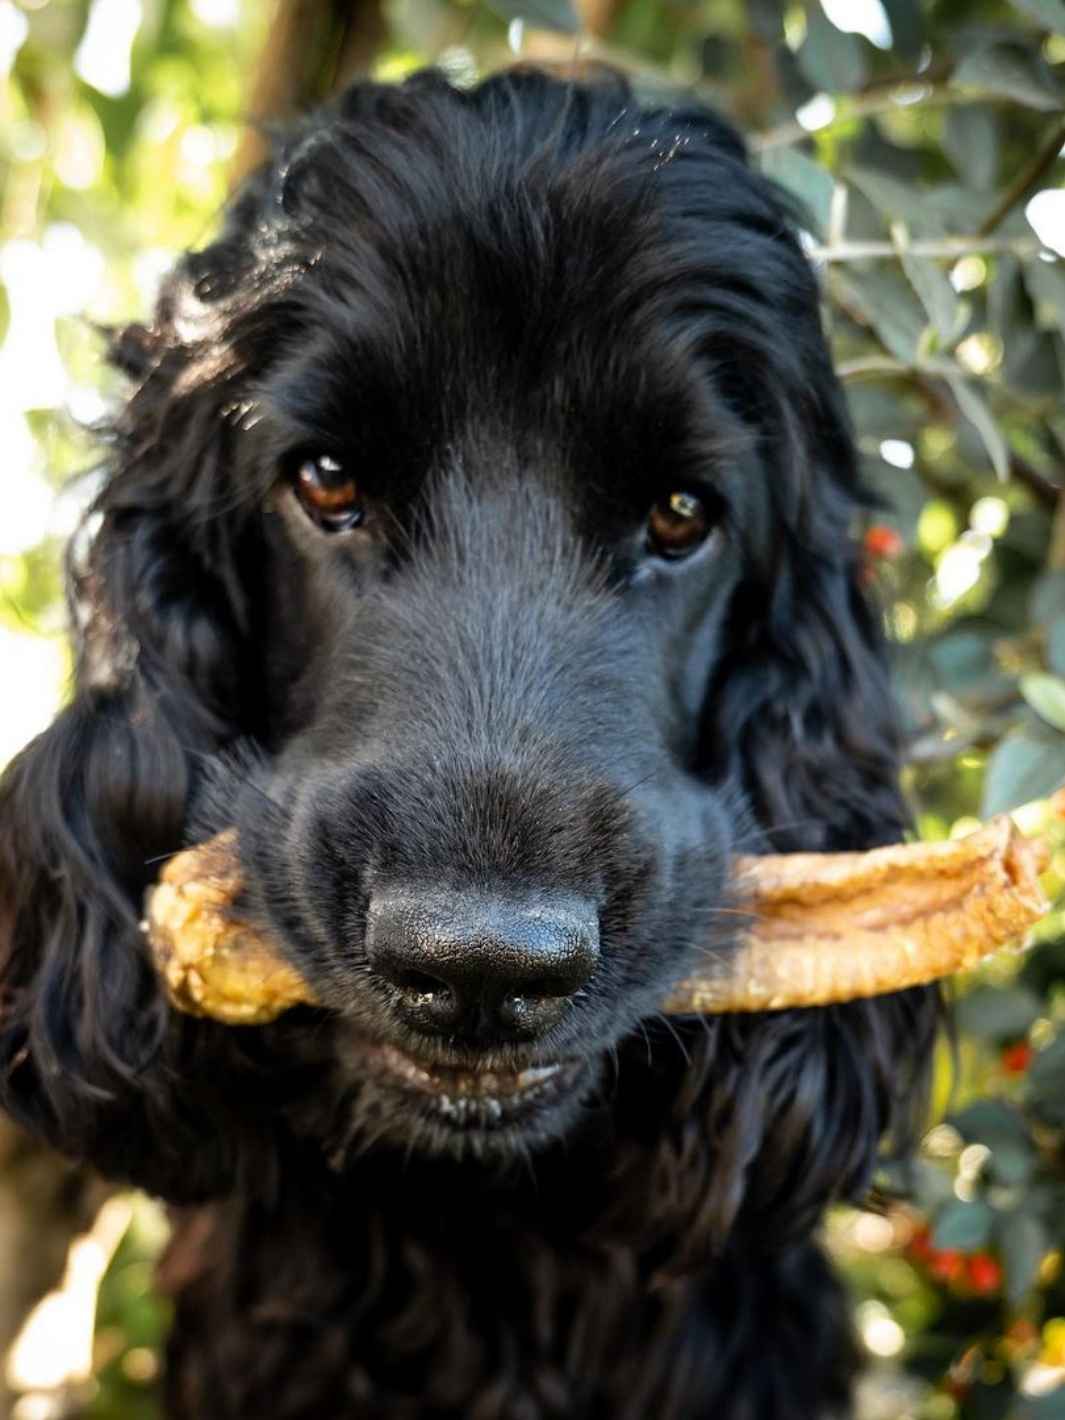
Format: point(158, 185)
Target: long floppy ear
point(161, 594)
point(800, 717)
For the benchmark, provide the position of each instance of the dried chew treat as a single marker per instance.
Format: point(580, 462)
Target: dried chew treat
point(831, 927)
point(824, 927)
point(213, 963)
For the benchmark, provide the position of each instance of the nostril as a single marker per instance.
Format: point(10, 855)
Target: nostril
point(418, 983)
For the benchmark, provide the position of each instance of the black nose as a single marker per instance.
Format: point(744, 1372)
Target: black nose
point(479, 965)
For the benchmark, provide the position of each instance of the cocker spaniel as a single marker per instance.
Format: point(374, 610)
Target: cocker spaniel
point(476, 538)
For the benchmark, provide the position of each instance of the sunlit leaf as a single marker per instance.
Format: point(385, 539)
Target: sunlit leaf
point(1046, 695)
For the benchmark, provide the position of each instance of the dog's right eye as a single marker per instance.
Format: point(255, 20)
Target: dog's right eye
point(327, 493)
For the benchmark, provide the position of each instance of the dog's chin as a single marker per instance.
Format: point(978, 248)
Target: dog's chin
point(489, 1112)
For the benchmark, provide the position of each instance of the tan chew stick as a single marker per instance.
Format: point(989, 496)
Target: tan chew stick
point(824, 927)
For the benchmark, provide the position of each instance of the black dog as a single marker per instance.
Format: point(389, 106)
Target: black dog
point(478, 541)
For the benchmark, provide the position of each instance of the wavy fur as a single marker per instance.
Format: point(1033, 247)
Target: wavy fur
point(525, 311)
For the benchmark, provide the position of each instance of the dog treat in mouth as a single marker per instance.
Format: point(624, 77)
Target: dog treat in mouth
point(824, 927)
point(212, 963)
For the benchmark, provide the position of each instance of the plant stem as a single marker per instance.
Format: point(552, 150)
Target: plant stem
point(1025, 180)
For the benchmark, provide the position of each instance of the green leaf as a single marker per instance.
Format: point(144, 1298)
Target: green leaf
point(833, 61)
point(897, 200)
point(888, 303)
point(963, 1227)
point(1022, 768)
point(1048, 13)
point(1023, 1242)
point(1046, 286)
point(1046, 695)
point(983, 421)
point(946, 312)
point(766, 19)
point(997, 1013)
point(900, 490)
point(1046, 1083)
point(542, 14)
point(1056, 646)
point(812, 184)
point(1012, 71)
point(1004, 1130)
point(1048, 598)
point(971, 139)
point(1044, 1407)
point(907, 27)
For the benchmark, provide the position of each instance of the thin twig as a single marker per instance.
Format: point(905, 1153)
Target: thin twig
point(863, 106)
point(1025, 180)
point(948, 247)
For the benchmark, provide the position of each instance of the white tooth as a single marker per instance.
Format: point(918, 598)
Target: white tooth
point(537, 1075)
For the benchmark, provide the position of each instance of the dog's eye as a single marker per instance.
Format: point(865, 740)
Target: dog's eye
point(327, 494)
point(678, 524)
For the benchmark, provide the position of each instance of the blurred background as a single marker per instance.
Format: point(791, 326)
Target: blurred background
point(925, 139)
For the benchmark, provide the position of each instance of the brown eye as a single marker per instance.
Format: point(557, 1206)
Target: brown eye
point(327, 494)
point(678, 524)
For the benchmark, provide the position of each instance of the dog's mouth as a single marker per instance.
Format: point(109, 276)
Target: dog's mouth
point(473, 1098)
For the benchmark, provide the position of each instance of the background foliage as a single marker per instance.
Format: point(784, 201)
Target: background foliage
point(925, 139)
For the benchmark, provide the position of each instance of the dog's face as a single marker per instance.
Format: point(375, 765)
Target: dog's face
point(499, 569)
point(479, 545)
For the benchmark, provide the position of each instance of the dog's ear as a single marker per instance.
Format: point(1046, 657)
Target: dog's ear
point(161, 580)
point(800, 711)
point(800, 717)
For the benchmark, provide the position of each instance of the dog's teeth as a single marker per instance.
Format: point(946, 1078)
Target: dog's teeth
point(537, 1075)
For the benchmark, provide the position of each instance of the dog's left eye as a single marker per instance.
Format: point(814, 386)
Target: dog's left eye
point(327, 493)
point(678, 524)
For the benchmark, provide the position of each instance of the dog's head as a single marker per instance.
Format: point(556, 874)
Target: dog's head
point(478, 542)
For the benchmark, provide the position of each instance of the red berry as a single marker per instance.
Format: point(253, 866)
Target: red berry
point(947, 1266)
point(1016, 1058)
point(882, 541)
point(984, 1273)
point(921, 1244)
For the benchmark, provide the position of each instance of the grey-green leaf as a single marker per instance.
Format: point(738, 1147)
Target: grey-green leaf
point(997, 1013)
point(937, 295)
point(1046, 695)
point(983, 421)
point(1013, 72)
point(888, 303)
point(963, 1226)
point(830, 59)
point(1048, 13)
point(812, 184)
point(1023, 768)
point(971, 140)
point(1023, 1241)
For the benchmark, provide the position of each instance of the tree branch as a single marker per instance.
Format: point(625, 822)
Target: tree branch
point(1025, 180)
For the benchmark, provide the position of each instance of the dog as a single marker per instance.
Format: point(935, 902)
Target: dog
point(478, 539)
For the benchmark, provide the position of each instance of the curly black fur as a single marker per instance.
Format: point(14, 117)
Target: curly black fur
point(521, 314)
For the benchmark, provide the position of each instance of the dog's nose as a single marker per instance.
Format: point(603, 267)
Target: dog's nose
point(479, 965)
